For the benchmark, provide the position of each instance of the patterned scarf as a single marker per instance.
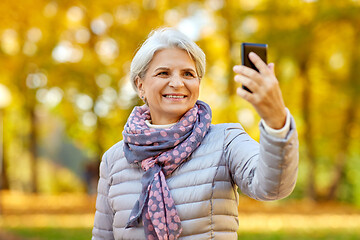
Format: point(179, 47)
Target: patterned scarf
point(160, 152)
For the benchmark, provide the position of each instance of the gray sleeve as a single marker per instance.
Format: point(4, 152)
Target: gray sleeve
point(103, 222)
point(265, 171)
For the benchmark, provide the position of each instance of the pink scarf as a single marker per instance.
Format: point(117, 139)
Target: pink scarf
point(160, 152)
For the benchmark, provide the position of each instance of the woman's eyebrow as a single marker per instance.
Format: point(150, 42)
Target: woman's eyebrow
point(161, 68)
point(188, 70)
point(167, 69)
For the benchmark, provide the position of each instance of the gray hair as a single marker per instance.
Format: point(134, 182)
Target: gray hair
point(161, 39)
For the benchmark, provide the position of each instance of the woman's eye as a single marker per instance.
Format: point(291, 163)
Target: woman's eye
point(189, 74)
point(162, 74)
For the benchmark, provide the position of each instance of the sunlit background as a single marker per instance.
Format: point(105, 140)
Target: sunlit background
point(65, 96)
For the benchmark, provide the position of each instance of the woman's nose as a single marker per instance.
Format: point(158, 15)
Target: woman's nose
point(176, 82)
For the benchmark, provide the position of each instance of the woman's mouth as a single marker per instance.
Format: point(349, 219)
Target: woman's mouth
point(174, 96)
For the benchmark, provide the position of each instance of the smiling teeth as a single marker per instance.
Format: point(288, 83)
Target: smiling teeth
point(172, 96)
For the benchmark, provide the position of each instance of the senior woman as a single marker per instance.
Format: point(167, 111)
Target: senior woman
point(175, 175)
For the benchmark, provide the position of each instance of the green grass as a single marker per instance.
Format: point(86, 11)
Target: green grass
point(52, 233)
point(314, 235)
point(85, 233)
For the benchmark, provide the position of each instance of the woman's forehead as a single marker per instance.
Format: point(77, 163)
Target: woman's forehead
point(172, 57)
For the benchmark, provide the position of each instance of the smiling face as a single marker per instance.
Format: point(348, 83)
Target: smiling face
point(170, 85)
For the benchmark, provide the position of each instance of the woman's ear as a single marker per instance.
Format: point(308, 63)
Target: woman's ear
point(140, 87)
point(139, 84)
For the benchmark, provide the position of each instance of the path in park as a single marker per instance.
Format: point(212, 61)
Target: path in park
point(9, 236)
point(77, 211)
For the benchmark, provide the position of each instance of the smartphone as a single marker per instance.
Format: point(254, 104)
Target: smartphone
point(258, 48)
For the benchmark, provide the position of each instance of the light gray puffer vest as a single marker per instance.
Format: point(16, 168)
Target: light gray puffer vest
point(205, 187)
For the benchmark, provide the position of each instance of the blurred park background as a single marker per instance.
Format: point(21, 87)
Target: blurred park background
point(65, 96)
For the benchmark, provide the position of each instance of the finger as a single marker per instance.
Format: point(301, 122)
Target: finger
point(258, 62)
point(272, 67)
point(247, 72)
point(237, 68)
point(245, 94)
point(249, 83)
point(241, 69)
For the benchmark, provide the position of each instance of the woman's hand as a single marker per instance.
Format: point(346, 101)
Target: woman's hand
point(266, 95)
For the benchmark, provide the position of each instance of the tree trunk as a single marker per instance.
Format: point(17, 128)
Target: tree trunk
point(33, 149)
point(4, 176)
point(226, 14)
point(341, 157)
point(349, 122)
point(308, 133)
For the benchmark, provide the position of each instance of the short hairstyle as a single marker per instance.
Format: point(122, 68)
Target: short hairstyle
point(161, 39)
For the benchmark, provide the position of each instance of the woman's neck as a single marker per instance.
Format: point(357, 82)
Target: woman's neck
point(150, 125)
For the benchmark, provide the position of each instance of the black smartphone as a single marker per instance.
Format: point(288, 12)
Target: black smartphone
point(258, 48)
